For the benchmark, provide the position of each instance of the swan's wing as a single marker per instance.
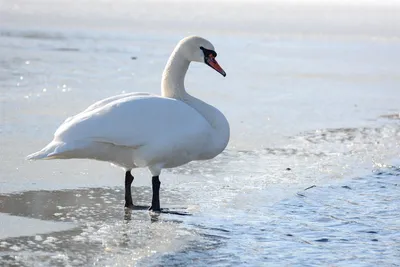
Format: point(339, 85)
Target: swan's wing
point(105, 101)
point(136, 121)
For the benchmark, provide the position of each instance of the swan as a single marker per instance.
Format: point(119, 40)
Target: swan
point(138, 130)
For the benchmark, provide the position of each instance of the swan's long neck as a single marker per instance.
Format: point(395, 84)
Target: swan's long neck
point(172, 86)
point(173, 78)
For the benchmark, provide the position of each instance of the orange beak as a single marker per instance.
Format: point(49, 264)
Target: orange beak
point(212, 62)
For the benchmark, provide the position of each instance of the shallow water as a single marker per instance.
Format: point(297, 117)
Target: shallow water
point(352, 223)
point(310, 106)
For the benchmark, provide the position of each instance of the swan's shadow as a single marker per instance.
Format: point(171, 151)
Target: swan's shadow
point(154, 216)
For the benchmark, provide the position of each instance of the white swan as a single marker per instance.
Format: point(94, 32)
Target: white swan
point(144, 130)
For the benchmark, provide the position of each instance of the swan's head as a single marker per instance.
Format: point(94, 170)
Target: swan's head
point(198, 49)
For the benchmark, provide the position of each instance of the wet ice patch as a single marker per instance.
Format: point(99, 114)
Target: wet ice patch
point(15, 226)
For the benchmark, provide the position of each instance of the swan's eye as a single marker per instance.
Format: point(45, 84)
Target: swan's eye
point(208, 52)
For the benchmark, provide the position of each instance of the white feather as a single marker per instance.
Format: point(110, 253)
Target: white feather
point(143, 130)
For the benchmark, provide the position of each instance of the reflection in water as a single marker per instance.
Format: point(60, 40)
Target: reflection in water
point(104, 226)
point(83, 204)
point(70, 205)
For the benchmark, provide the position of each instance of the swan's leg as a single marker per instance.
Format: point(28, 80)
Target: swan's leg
point(128, 194)
point(155, 202)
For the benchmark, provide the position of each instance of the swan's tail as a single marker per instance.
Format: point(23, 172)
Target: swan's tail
point(52, 151)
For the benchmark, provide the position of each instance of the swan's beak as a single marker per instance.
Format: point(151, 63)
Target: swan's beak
point(210, 61)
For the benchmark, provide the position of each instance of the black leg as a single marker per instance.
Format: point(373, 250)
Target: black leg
point(128, 194)
point(155, 202)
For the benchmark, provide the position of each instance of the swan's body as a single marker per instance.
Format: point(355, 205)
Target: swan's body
point(138, 130)
point(144, 130)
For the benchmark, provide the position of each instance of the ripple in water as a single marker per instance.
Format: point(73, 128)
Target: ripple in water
point(354, 224)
